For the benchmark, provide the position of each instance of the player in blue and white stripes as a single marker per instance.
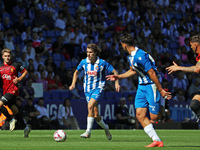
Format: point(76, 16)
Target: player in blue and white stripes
point(94, 82)
point(149, 90)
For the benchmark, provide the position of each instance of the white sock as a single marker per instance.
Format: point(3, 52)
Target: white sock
point(151, 132)
point(102, 124)
point(90, 121)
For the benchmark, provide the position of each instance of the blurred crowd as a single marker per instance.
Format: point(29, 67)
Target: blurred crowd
point(49, 38)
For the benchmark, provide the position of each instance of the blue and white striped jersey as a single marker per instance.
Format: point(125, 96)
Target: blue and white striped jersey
point(94, 73)
point(142, 62)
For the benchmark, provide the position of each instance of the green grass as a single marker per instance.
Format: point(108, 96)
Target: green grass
point(122, 140)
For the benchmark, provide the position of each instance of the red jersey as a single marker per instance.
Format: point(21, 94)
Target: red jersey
point(7, 72)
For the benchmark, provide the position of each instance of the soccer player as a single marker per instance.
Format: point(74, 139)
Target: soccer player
point(9, 72)
point(94, 83)
point(149, 88)
point(195, 45)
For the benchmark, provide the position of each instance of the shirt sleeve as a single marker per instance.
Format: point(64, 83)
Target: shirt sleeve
point(145, 62)
point(109, 67)
point(80, 66)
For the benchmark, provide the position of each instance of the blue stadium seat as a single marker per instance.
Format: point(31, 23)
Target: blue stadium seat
point(80, 87)
point(72, 11)
point(174, 45)
point(81, 93)
point(70, 3)
point(47, 94)
point(65, 94)
point(27, 22)
point(57, 62)
point(74, 63)
point(76, 4)
point(57, 33)
point(107, 35)
point(109, 95)
point(57, 57)
point(55, 94)
point(51, 33)
point(117, 95)
point(68, 65)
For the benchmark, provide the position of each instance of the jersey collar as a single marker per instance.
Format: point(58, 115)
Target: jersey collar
point(97, 61)
point(7, 64)
point(134, 52)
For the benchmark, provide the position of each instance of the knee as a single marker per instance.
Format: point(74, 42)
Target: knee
point(139, 116)
point(194, 105)
point(90, 108)
point(155, 118)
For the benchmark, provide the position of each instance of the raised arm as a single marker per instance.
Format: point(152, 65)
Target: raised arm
point(175, 67)
point(127, 74)
point(75, 76)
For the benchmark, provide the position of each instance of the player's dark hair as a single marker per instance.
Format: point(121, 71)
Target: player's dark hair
point(127, 39)
point(64, 103)
point(195, 38)
point(95, 48)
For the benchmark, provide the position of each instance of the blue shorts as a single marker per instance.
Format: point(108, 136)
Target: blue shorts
point(148, 96)
point(96, 94)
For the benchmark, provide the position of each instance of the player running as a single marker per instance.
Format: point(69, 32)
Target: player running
point(94, 83)
point(195, 45)
point(149, 88)
point(9, 73)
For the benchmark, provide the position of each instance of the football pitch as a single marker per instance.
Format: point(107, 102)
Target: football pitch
point(122, 140)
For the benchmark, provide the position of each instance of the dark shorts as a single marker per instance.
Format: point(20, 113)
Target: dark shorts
point(8, 99)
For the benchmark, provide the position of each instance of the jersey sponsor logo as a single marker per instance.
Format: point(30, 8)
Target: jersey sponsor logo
point(5, 76)
point(92, 73)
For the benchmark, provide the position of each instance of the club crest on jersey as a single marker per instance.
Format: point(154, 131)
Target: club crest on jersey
point(97, 67)
point(92, 73)
point(11, 69)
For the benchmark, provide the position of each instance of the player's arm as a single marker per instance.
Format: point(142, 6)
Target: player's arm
point(117, 86)
point(75, 76)
point(18, 79)
point(154, 78)
point(127, 74)
point(175, 67)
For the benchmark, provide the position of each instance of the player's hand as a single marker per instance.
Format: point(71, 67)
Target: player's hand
point(117, 87)
point(112, 77)
point(15, 80)
point(172, 68)
point(165, 95)
point(71, 87)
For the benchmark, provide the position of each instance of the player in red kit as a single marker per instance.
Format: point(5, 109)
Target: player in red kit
point(9, 75)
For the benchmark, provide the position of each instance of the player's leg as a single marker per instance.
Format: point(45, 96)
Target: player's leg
point(90, 118)
point(4, 101)
point(195, 105)
point(153, 98)
point(101, 123)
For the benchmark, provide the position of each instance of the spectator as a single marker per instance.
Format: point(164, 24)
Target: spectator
point(9, 43)
point(36, 42)
point(179, 97)
point(38, 21)
point(49, 22)
point(42, 50)
point(122, 114)
point(194, 88)
point(42, 80)
point(59, 23)
point(19, 26)
point(23, 94)
point(29, 89)
point(66, 116)
point(26, 36)
point(31, 114)
point(23, 60)
point(37, 61)
point(18, 11)
point(45, 121)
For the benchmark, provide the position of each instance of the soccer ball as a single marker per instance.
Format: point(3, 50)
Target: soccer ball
point(60, 136)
